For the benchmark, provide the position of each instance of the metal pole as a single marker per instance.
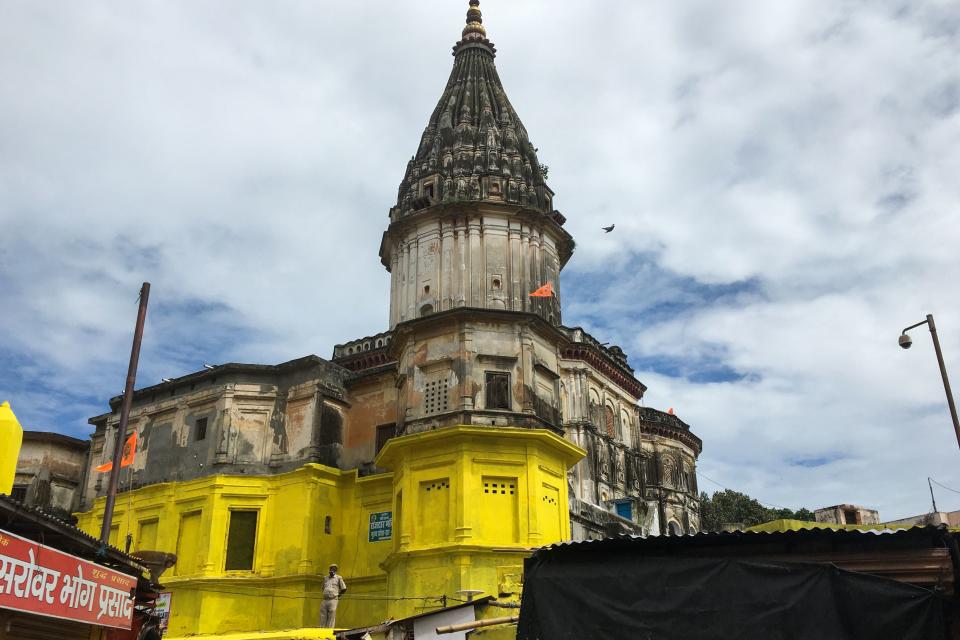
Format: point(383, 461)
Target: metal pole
point(124, 417)
point(476, 624)
point(932, 499)
point(943, 374)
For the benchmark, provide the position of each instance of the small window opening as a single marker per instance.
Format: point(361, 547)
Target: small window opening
point(426, 289)
point(428, 190)
point(496, 283)
point(384, 433)
point(241, 539)
point(19, 493)
point(426, 310)
point(498, 390)
point(201, 429)
point(327, 524)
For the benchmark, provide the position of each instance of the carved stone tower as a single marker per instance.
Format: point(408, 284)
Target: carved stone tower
point(473, 233)
point(474, 224)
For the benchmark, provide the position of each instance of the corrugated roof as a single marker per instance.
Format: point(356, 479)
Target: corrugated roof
point(622, 540)
point(65, 529)
point(926, 556)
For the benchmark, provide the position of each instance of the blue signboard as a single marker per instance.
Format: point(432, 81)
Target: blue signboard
point(381, 526)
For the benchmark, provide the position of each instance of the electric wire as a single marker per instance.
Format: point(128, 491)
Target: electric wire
point(943, 486)
point(766, 504)
point(259, 591)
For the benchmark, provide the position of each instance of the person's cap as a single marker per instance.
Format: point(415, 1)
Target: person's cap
point(333, 566)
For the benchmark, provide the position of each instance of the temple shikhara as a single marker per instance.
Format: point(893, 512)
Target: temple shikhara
point(426, 460)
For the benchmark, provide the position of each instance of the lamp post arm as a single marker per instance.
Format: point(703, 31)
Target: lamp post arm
point(943, 374)
point(914, 326)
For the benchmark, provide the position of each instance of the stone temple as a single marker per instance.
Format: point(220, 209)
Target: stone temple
point(467, 350)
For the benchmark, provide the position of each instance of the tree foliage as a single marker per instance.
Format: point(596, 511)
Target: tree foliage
point(727, 507)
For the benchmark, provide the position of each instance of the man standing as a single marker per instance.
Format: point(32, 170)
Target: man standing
point(333, 588)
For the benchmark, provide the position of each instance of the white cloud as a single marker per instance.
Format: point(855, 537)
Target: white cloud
point(782, 176)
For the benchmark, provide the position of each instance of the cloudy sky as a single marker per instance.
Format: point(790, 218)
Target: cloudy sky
point(783, 177)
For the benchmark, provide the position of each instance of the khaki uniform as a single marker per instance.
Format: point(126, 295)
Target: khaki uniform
point(333, 586)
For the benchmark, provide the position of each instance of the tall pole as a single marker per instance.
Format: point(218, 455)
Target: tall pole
point(124, 416)
point(943, 374)
point(932, 499)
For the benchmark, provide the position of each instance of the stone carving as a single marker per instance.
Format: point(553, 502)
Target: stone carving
point(472, 134)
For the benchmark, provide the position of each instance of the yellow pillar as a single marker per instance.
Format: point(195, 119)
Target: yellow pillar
point(11, 437)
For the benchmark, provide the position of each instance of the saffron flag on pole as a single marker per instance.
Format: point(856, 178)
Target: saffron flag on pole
point(129, 453)
point(546, 291)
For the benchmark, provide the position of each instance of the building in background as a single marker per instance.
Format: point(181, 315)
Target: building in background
point(847, 514)
point(51, 469)
point(933, 518)
point(427, 459)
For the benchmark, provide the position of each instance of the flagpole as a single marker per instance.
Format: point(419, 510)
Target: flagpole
point(124, 417)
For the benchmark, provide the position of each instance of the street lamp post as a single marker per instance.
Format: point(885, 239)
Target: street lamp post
point(905, 342)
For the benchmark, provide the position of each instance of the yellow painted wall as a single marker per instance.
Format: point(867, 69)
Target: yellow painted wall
point(11, 437)
point(447, 533)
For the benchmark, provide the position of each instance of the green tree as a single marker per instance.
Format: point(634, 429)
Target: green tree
point(727, 507)
point(804, 514)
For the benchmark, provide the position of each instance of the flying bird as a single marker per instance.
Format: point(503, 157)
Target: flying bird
point(609, 229)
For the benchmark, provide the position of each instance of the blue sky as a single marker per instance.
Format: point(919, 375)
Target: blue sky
point(782, 177)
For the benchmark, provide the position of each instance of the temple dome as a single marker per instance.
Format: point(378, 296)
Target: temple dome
point(474, 147)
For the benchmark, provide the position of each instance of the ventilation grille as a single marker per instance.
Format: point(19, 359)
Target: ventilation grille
point(503, 488)
point(435, 397)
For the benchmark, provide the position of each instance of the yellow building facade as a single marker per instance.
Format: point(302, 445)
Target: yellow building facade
point(460, 510)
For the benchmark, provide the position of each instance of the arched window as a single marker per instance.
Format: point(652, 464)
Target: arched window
point(674, 529)
point(426, 310)
point(626, 427)
point(669, 471)
point(609, 422)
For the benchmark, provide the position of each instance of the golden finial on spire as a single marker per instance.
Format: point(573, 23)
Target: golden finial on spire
point(474, 20)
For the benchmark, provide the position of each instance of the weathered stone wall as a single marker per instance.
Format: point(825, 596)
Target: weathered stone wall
point(478, 257)
point(446, 362)
point(50, 471)
point(234, 419)
point(373, 404)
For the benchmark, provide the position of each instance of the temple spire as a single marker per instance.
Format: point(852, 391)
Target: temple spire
point(474, 147)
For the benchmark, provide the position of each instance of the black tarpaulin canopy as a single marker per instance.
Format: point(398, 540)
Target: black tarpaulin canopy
point(616, 593)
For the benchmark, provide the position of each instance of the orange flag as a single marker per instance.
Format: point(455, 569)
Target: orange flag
point(129, 453)
point(546, 291)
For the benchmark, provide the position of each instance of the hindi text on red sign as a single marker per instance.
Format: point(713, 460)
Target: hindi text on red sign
point(35, 578)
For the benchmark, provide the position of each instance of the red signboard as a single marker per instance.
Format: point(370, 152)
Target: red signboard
point(39, 579)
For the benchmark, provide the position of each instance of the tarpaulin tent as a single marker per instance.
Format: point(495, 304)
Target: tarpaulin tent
point(617, 589)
